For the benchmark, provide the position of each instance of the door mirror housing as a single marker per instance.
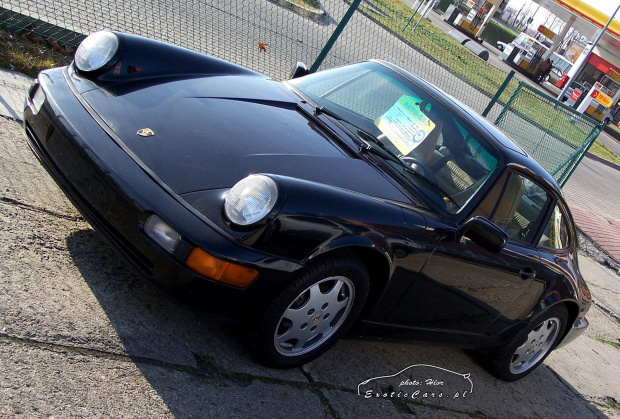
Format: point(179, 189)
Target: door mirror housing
point(484, 233)
point(300, 70)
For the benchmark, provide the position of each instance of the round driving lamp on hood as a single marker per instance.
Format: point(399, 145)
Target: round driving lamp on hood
point(251, 200)
point(96, 51)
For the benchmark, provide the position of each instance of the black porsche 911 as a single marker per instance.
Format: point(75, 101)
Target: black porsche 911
point(358, 199)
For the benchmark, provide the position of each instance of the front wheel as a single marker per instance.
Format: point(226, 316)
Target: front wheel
point(529, 348)
point(312, 313)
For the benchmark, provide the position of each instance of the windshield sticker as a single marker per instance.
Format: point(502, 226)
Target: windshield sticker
point(405, 125)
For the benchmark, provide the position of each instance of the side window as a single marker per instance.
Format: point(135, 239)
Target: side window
point(555, 235)
point(486, 207)
point(520, 208)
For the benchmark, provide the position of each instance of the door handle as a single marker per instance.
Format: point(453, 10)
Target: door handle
point(527, 273)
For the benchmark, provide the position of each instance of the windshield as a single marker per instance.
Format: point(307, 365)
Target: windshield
point(437, 152)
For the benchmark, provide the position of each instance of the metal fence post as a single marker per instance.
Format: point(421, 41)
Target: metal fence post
point(509, 103)
point(411, 18)
point(588, 143)
point(499, 93)
point(332, 39)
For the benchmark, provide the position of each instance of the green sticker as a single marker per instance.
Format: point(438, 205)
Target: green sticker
point(405, 125)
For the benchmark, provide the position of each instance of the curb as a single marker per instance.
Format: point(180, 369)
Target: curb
point(612, 131)
point(10, 118)
point(607, 260)
point(312, 14)
point(603, 161)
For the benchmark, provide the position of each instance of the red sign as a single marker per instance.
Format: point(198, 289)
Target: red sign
point(575, 95)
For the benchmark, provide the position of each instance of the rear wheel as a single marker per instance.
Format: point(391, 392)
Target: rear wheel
point(312, 313)
point(529, 348)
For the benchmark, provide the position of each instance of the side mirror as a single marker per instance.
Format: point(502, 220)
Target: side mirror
point(300, 70)
point(484, 233)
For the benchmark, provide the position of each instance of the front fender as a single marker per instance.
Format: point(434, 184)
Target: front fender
point(316, 218)
point(139, 59)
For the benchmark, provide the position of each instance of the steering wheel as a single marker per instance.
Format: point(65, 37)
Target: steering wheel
point(427, 171)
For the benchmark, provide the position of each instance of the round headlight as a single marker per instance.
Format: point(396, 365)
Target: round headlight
point(251, 199)
point(96, 51)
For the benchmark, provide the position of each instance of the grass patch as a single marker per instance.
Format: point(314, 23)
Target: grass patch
point(496, 32)
point(30, 54)
point(608, 342)
point(599, 149)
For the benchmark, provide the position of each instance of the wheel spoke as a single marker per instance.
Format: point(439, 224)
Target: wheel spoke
point(537, 344)
point(314, 316)
point(315, 296)
point(334, 305)
point(523, 350)
point(297, 316)
point(292, 334)
point(548, 329)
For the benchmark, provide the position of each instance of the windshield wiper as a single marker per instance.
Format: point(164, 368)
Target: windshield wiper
point(369, 137)
point(430, 182)
point(366, 136)
point(325, 111)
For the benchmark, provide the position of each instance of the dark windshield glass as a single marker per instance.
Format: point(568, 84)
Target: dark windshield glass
point(424, 134)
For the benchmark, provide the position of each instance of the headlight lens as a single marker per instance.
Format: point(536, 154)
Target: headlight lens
point(96, 51)
point(251, 199)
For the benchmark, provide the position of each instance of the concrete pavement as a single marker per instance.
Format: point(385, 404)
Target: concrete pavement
point(91, 333)
point(13, 88)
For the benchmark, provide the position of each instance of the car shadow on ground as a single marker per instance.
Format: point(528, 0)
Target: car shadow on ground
point(180, 350)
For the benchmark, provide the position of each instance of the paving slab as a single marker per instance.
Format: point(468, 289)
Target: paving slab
point(48, 381)
point(70, 306)
point(591, 368)
point(604, 283)
point(541, 392)
point(348, 405)
point(13, 88)
point(61, 283)
point(591, 193)
point(98, 303)
point(21, 179)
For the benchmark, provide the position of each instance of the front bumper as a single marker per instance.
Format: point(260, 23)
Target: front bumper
point(116, 196)
point(576, 330)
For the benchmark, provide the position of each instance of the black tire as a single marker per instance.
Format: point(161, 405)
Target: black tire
point(529, 348)
point(319, 305)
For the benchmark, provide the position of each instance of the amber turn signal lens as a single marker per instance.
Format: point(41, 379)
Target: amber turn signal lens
point(220, 270)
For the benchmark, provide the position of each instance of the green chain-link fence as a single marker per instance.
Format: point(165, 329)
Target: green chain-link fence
point(556, 135)
point(234, 30)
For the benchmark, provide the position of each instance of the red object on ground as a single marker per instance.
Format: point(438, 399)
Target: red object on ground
point(562, 81)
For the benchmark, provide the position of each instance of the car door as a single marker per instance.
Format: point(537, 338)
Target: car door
point(558, 251)
point(464, 287)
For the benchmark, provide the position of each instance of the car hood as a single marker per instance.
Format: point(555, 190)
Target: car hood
point(210, 132)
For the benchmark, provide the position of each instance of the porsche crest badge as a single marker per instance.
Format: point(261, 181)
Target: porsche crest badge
point(145, 132)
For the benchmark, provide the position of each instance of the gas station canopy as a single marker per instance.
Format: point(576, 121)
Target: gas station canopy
point(588, 21)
